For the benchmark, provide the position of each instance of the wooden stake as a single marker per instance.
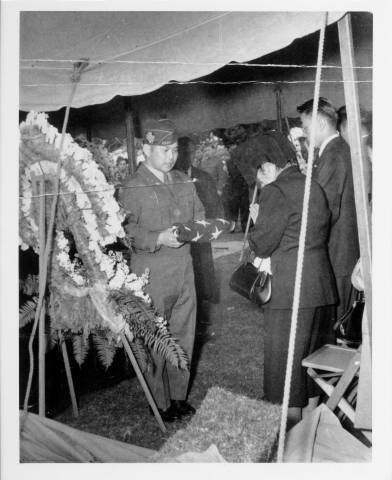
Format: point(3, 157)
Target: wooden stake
point(151, 401)
point(278, 109)
point(41, 324)
point(69, 377)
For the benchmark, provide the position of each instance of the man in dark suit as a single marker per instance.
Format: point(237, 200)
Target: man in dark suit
point(206, 189)
point(276, 235)
point(333, 172)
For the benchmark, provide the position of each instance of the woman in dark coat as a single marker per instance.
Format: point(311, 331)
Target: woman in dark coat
point(203, 263)
point(276, 235)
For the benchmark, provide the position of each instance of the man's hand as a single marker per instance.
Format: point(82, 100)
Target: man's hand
point(168, 238)
point(254, 211)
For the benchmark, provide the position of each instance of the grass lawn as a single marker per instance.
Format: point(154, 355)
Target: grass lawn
point(228, 354)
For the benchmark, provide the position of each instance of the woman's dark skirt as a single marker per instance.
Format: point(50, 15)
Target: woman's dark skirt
point(314, 329)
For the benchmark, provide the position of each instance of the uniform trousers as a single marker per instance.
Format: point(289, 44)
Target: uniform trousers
point(172, 290)
point(314, 329)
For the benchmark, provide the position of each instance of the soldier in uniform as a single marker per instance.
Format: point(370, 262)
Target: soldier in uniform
point(155, 198)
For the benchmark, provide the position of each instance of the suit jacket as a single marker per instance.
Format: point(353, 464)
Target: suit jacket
point(334, 173)
point(214, 166)
point(207, 192)
point(276, 235)
point(152, 206)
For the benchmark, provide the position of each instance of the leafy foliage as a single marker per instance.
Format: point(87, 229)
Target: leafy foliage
point(27, 312)
point(105, 347)
point(141, 353)
point(142, 321)
point(80, 346)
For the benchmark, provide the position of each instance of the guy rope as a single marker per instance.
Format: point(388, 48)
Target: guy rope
point(301, 247)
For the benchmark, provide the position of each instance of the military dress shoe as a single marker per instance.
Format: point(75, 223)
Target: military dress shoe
point(168, 415)
point(182, 407)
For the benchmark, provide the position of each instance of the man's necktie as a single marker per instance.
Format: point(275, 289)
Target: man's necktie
point(316, 157)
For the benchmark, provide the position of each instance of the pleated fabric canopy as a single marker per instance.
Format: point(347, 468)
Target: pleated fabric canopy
point(133, 52)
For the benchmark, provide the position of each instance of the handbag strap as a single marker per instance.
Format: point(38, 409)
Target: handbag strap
point(248, 224)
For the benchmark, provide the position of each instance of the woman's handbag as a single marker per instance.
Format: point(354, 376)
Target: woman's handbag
point(249, 281)
point(349, 327)
point(252, 283)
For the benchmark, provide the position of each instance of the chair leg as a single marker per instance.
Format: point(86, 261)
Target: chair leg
point(344, 382)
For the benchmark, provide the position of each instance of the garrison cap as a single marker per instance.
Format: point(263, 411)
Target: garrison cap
point(159, 132)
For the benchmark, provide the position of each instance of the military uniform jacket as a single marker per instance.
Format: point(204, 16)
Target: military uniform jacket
point(152, 206)
point(334, 173)
point(276, 235)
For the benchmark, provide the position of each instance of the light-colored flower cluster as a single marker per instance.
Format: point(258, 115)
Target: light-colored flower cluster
point(71, 268)
point(92, 189)
point(30, 230)
point(119, 276)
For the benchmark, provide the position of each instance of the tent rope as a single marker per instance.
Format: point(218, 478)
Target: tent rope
point(301, 248)
point(195, 82)
point(176, 62)
point(78, 68)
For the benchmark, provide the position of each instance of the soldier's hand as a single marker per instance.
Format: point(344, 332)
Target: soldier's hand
point(168, 238)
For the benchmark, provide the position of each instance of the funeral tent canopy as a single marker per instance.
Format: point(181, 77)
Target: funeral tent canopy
point(131, 53)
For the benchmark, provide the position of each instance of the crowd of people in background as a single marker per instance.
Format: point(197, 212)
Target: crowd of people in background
point(219, 188)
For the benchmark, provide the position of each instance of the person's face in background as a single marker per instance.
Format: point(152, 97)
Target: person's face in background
point(123, 166)
point(198, 157)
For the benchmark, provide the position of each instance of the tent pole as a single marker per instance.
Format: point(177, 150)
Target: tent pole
point(278, 108)
point(130, 130)
point(363, 411)
point(41, 324)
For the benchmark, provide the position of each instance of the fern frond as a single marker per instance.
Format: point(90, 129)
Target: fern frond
point(142, 355)
point(142, 321)
point(27, 312)
point(105, 349)
point(80, 346)
point(164, 344)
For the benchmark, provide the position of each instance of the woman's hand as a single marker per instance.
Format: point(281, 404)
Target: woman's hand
point(303, 166)
point(254, 211)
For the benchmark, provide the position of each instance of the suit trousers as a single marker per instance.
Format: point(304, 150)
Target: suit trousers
point(172, 290)
point(314, 329)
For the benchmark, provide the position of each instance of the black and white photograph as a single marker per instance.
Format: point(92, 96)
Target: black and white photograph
point(191, 199)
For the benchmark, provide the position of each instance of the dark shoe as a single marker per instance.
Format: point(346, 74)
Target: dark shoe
point(169, 415)
point(182, 407)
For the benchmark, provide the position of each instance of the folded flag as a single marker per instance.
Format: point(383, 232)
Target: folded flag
point(201, 230)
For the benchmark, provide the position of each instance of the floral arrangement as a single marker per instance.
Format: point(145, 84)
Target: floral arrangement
point(92, 290)
point(209, 148)
point(107, 155)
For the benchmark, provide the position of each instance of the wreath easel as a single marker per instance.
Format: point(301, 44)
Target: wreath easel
point(94, 292)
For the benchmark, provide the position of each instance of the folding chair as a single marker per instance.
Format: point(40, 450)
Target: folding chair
point(334, 369)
